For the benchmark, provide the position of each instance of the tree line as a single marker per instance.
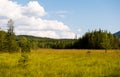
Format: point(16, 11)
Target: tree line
point(9, 41)
point(100, 39)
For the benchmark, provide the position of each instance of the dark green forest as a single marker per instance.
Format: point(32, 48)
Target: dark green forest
point(98, 40)
point(9, 42)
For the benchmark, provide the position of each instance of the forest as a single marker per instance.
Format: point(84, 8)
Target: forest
point(98, 39)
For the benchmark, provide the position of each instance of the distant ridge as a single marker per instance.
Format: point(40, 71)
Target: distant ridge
point(117, 34)
point(41, 38)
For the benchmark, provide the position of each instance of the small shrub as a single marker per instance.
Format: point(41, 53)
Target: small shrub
point(88, 52)
point(23, 60)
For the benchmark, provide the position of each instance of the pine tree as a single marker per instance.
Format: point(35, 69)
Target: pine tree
point(11, 38)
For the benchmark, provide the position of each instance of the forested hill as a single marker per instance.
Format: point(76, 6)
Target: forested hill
point(44, 42)
point(39, 38)
point(34, 37)
point(117, 34)
point(91, 40)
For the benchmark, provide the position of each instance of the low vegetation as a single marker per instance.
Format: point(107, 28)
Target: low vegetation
point(61, 63)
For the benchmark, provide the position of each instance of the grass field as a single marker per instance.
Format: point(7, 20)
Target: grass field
point(61, 63)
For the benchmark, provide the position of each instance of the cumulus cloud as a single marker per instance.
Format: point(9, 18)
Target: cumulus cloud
point(50, 34)
point(28, 20)
point(10, 9)
point(33, 8)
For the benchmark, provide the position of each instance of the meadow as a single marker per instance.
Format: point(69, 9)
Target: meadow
point(61, 63)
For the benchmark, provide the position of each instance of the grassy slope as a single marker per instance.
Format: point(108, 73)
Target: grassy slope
point(62, 63)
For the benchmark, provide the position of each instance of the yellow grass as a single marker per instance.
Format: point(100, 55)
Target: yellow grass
point(61, 63)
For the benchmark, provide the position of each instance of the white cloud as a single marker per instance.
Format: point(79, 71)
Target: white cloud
point(50, 34)
point(33, 8)
point(10, 9)
point(67, 34)
point(28, 20)
point(40, 24)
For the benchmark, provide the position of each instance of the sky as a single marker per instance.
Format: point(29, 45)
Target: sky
point(60, 18)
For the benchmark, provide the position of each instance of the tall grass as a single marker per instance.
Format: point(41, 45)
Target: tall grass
point(61, 63)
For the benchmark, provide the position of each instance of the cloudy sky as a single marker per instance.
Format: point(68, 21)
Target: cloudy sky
point(60, 18)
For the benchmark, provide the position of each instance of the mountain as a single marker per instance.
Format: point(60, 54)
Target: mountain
point(117, 34)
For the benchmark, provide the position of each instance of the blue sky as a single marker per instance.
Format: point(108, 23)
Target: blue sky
point(82, 15)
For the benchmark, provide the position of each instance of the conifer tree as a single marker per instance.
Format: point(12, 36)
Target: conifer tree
point(11, 38)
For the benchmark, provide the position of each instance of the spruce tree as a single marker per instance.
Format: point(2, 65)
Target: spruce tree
point(11, 38)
